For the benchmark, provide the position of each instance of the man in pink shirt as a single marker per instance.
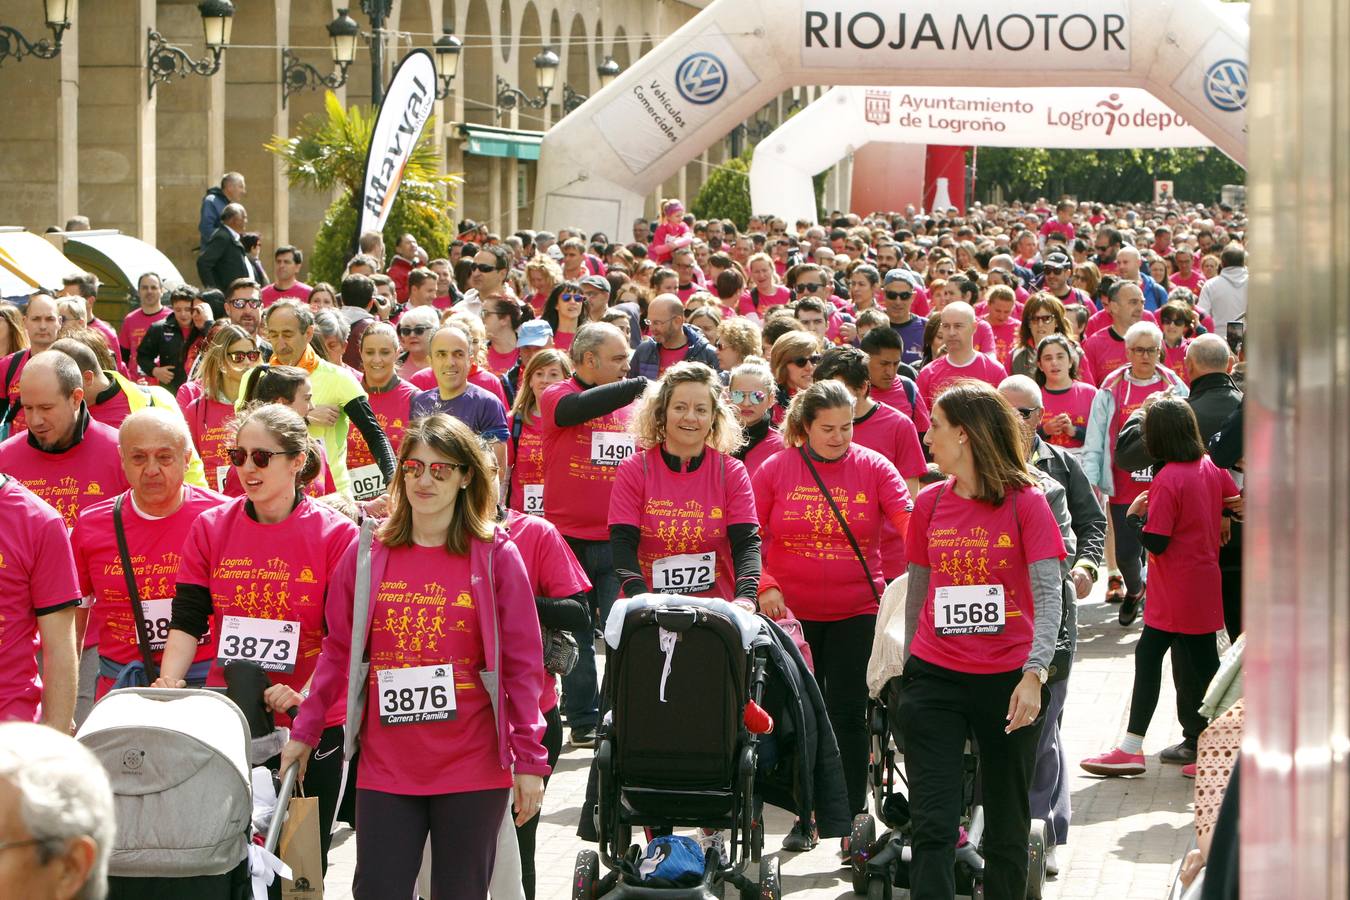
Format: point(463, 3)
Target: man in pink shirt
point(41, 324)
point(962, 360)
point(286, 268)
point(1106, 349)
point(136, 323)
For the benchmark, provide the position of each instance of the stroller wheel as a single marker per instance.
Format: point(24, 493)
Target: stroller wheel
point(861, 843)
point(770, 888)
point(1036, 859)
point(585, 875)
point(878, 888)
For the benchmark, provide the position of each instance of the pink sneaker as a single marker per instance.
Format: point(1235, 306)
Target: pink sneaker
point(1188, 770)
point(1116, 762)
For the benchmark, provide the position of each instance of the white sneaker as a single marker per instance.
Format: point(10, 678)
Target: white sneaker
point(1051, 863)
point(714, 839)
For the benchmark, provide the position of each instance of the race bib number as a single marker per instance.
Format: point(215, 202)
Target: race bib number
point(534, 499)
point(222, 472)
point(367, 482)
point(609, 448)
point(687, 573)
point(157, 614)
point(968, 609)
point(417, 694)
point(274, 645)
point(1142, 476)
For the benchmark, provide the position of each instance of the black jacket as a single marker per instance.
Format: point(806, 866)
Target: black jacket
point(1088, 520)
point(165, 345)
point(223, 260)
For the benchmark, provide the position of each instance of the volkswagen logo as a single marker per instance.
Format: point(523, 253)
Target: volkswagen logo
point(701, 78)
point(1226, 85)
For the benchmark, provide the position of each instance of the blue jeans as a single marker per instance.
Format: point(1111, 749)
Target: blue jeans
point(581, 688)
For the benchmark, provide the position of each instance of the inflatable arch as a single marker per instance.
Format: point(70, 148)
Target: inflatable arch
point(845, 119)
point(598, 164)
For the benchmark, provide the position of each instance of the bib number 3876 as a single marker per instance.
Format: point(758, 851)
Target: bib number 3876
point(968, 609)
point(273, 644)
point(416, 694)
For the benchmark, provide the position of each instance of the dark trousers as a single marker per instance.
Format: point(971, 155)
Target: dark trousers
point(939, 709)
point(841, 650)
point(581, 687)
point(1050, 783)
point(392, 830)
point(1232, 601)
point(525, 834)
point(1129, 552)
point(1195, 659)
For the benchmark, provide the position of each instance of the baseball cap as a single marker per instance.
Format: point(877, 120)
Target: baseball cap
point(534, 333)
point(555, 252)
point(596, 281)
point(1058, 261)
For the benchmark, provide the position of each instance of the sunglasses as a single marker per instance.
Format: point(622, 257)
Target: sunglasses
point(806, 287)
point(238, 356)
point(739, 397)
point(243, 302)
point(572, 298)
point(413, 468)
point(410, 330)
point(1102, 249)
point(238, 456)
point(899, 295)
point(485, 267)
point(801, 361)
point(1170, 320)
point(1027, 412)
point(1043, 319)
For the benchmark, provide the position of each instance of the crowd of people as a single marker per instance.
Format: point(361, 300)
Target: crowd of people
point(1005, 406)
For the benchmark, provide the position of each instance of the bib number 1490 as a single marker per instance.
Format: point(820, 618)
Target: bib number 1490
point(416, 694)
point(609, 448)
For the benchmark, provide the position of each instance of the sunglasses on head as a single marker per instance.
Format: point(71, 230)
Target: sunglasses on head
point(238, 356)
point(803, 360)
point(485, 267)
point(413, 468)
point(743, 396)
point(238, 456)
point(410, 330)
point(242, 302)
point(899, 295)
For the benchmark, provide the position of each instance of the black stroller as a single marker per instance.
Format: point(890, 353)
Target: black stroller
point(676, 753)
point(877, 865)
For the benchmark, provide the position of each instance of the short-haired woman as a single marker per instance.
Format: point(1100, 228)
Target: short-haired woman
point(793, 362)
point(818, 499)
point(1181, 522)
point(565, 313)
point(1178, 322)
point(982, 611)
point(525, 448)
point(751, 390)
point(451, 626)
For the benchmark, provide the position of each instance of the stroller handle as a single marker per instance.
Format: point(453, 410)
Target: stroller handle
point(283, 800)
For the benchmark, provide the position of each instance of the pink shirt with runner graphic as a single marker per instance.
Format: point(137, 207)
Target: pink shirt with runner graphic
point(526, 459)
point(577, 484)
point(893, 435)
point(1076, 402)
point(73, 480)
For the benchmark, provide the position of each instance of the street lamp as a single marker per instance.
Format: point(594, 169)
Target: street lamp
point(165, 60)
point(447, 48)
point(545, 73)
point(13, 44)
point(297, 75)
point(378, 10)
point(607, 71)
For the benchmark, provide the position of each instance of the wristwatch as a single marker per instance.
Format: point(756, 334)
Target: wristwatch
point(1042, 673)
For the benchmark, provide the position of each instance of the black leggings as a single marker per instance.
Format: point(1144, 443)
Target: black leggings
point(1195, 659)
point(1129, 552)
point(525, 834)
point(840, 650)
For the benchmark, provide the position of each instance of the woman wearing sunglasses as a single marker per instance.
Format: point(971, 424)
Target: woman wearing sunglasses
point(232, 352)
point(793, 362)
point(390, 402)
point(751, 391)
point(1043, 316)
point(415, 329)
point(1178, 321)
point(525, 449)
point(452, 625)
point(565, 313)
point(255, 574)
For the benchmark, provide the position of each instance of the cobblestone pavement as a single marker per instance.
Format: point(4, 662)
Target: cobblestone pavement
point(1128, 834)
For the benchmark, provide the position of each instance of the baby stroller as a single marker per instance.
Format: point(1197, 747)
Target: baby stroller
point(675, 751)
point(876, 864)
point(180, 764)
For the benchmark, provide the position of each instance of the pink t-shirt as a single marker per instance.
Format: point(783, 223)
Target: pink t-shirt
point(897, 398)
point(553, 572)
point(1194, 283)
point(37, 576)
point(1005, 340)
point(424, 613)
point(392, 409)
point(780, 296)
point(501, 363)
point(18, 422)
point(1055, 226)
point(1105, 352)
point(526, 459)
point(667, 239)
point(208, 421)
point(278, 572)
point(154, 546)
point(1175, 358)
point(942, 371)
point(1185, 503)
point(1076, 401)
point(562, 340)
point(1129, 397)
point(113, 411)
point(1101, 319)
point(88, 473)
point(892, 434)
point(136, 323)
point(969, 542)
point(680, 513)
point(984, 337)
point(189, 391)
point(114, 345)
point(577, 481)
point(806, 551)
point(772, 443)
point(298, 291)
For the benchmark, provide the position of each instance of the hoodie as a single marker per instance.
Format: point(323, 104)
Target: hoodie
point(647, 357)
point(1225, 297)
point(212, 204)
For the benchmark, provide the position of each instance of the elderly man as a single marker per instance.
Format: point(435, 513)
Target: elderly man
point(56, 816)
point(671, 341)
point(962, 360)
point(223, 256)
point(1105, 350)
point(155, 450)
point(231, 190)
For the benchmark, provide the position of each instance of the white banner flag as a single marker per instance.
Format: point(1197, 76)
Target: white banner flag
point(407, 106)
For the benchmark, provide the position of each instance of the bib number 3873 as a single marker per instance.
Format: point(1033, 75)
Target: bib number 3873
point(609, 448)
point(273, 644)
point(416, 694)
point(968, 609)
point(687, 573)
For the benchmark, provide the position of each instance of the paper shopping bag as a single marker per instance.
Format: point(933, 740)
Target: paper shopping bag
point(299, 849)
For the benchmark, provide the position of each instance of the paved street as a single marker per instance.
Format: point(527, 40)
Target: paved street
point(1128, 834)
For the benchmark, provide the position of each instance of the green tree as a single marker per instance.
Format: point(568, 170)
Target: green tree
point(329, 153)
point(1107, 175)
point(726, 193)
